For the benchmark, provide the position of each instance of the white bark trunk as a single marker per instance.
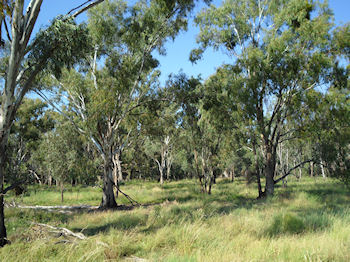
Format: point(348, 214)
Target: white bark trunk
point(322, 169)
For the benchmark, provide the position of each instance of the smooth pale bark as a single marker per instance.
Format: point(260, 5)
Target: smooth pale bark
point(322, 170)
point(119, 167)
point(117, 172)
point(163, 164)
point(115, 175)
point(168, 166)
point(161, 168)
point(207, 175)
point(49, 180)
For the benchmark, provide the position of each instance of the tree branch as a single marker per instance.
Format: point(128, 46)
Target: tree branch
point(82, 10)
point(293, 168)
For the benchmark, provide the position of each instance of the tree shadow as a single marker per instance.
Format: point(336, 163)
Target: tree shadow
point(123, 222)
point(183, 202)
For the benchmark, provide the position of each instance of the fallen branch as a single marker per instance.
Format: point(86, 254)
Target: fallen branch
point(136, 259)
point(63, 231)
point(132, 201)
point(57, 207)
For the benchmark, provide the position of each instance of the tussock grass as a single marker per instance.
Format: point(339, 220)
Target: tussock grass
point(307, 221)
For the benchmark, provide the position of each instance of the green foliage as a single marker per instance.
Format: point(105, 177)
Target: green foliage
point(341, 40)
point(32, 121)
point(60, 45)
point(282, 51)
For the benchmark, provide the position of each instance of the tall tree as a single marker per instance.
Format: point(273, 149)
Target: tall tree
point(25, 59)
point(105, 96)
point(161, 132)
point(280, 51)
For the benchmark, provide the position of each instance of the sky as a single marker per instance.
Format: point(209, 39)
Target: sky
point(177, 57)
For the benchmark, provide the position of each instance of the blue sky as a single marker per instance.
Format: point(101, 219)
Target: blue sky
point(178, 51)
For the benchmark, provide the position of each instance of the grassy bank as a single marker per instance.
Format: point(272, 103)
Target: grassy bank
point(307, 221)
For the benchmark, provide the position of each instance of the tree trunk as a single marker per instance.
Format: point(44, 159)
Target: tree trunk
point(311, 169)
point(3, 234)
point(118, 164)
point(211, 180)
point(214, 174)
point(269, 171)
point(200, 177)
point(62, 189)
point(257, 171)
point(115, 174)
point(49, 180)
point(108, 199)
point(204, 186)
point(161, 165)
point(322, 169)
point(161, 173)
point(233, 174)
point(168, 166)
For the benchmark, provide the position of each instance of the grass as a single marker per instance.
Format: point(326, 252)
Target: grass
point(307, 221)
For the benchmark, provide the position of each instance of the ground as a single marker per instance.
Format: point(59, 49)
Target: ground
point(307, 221)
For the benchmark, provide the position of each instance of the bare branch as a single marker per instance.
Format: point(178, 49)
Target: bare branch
point(7, 31)
point(293, 168)
point(82, 10)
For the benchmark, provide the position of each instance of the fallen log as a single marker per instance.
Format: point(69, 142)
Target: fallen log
point(63, 231)
point(62, 209)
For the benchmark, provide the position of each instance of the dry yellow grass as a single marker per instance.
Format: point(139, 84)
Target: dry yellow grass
point(307, 221)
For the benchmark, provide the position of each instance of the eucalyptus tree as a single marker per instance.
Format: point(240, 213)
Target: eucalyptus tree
point(62, 155)
point(187, 97)
point(32, 120)
point(24, 57)
point(330, 125)
point(202, 137)
point(59, 156)
point(160, 129)
point(120, 73)
point(280, 52)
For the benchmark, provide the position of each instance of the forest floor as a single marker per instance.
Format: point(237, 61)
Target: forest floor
point(309, 220)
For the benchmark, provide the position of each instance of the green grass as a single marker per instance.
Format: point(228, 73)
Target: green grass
point(307, 221)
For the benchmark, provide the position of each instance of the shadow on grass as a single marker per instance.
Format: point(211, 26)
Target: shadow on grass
point(123, 222)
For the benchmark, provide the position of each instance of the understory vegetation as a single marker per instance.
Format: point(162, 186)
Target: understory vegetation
point(309, 220)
